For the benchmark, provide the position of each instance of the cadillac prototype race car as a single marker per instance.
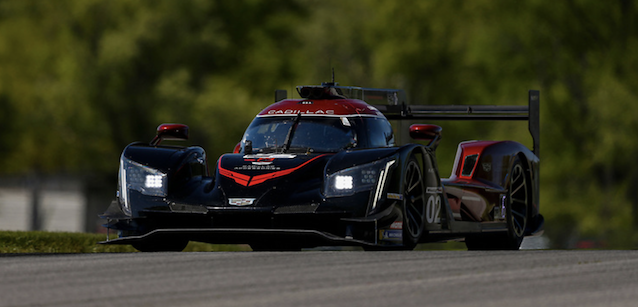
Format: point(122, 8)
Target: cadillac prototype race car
point(324, 170)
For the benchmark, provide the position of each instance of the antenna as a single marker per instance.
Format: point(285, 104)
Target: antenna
point(333, 75)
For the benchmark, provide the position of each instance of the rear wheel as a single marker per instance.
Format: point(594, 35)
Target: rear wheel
point(517, 208)
point(518, 205)
point(413, 205)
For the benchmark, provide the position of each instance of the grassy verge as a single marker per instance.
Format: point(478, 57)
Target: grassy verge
point(64, 242)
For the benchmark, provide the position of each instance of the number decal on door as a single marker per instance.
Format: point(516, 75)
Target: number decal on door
point(433, 209)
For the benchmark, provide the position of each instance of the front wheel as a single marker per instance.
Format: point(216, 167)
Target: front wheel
point(413, 205)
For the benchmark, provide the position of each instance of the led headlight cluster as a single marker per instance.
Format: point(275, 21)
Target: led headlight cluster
point(135, 176)
point(355, 179)
point(343, 183)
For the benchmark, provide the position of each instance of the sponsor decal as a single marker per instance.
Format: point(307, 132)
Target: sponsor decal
point(391, 235)
point(260, 161)
point(257, 167)
point(292, 112)
point(241, 201)
point(395, 196)
point(396, 225)
point(269, 156)
point(487, 167)
point(434, 190)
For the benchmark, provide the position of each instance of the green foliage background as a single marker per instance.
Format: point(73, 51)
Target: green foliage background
point(80, 79)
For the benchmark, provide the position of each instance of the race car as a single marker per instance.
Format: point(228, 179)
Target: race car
point(325, 170)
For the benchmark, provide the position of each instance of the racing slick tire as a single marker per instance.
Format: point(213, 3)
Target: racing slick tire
point(517, 209)
point(414, 205)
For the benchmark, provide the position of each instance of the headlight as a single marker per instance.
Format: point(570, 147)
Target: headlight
point(359, 178)
point(135, 176)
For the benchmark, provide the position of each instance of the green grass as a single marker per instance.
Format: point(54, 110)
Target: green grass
point(64, 242)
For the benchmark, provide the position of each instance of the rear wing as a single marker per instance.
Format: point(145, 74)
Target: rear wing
point(393, 104)
point(529, 113)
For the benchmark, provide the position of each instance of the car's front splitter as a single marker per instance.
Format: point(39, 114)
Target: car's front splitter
point(297, 237)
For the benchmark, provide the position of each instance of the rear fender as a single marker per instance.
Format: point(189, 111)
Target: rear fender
point(487, 164)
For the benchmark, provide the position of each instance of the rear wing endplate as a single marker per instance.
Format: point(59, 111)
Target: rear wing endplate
point(530, 113)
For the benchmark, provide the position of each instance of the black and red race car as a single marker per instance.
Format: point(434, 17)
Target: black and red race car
point(325, 170)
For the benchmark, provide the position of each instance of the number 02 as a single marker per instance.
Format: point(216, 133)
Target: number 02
point(432, 214)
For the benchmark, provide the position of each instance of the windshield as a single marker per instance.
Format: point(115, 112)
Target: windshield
point(299, 134)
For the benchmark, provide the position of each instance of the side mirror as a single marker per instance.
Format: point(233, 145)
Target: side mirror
point(248, 147)
point(426, 132)
point(171, 132)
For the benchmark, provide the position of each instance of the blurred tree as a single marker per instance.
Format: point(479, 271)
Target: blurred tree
point(81, 79)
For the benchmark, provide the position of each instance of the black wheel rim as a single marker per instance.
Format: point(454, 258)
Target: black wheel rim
point(518, 201)
point(414, 200)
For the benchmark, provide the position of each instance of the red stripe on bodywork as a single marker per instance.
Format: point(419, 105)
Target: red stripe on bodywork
point(239, 178)
point(246, 180)
point(261, 178)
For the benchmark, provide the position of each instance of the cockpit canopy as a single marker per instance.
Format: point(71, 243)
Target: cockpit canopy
point(315, 134)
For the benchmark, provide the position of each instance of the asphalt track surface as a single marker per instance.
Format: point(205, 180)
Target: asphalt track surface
point(323, 278)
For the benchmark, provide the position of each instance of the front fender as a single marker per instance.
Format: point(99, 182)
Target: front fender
point(433, 189)
point(350, 158)
point(185, 168)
